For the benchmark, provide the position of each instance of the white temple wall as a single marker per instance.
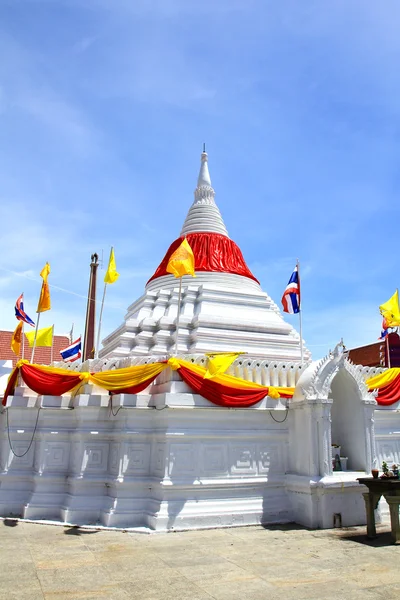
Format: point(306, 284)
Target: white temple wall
point(170, 460)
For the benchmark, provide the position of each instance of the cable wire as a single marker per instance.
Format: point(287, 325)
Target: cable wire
point(276, 420)
point(30, 443)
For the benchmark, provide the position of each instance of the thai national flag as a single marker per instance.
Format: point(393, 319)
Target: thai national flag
point(20, 313)
point(383, 335)
point(72, 352)
point(291, 295)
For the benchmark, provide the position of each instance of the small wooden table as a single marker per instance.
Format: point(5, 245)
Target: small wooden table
point(390, 490)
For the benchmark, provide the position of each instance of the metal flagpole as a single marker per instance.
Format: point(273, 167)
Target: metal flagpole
point(34, 339)
point(52, 345)
point(300, 311)
point(179, 312)
point(99, 329)
point(23, 341)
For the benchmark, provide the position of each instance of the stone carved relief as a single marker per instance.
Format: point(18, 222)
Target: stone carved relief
point(243, 458)
point(182, 459)
point(113, 458)
point(56, 456)
point(214, 459)
point(95, 456)
point(270, 459)
point(136, 458)
point(158, 454)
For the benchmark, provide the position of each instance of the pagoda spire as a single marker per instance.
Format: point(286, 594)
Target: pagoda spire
point(204, 214)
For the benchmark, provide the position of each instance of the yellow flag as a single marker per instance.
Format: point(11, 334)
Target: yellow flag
point(44, 298)
point(219, 363)
point(111, 275)
point(44, 337)
point(45, 272)
point(17, 338)
point(181, 262)
point(390, 311)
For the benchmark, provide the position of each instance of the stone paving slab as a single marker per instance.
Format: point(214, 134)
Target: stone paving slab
point(45, 562)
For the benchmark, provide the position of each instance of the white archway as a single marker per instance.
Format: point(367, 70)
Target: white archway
point(330, 398)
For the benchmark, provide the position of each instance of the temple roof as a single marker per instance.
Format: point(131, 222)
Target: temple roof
point(204, 214)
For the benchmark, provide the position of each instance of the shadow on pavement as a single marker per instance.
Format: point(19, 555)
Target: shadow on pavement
point(285, 527)
point(383, 538)
point(75, 530)
point(10, 522)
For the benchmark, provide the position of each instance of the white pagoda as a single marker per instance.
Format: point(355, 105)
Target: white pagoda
point(168, 458)
point(222, 309)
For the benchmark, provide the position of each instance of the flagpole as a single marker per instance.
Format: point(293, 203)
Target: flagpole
point(179, 312)
point(34, 339)
point(100, 319)
point(52, 345)
point(23, 341)
point(300, 314)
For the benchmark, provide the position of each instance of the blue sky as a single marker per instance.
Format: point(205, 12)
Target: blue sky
point(104, 105)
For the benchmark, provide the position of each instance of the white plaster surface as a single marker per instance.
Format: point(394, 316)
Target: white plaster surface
point(168, 459)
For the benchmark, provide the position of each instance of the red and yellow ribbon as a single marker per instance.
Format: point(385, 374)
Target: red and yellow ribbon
point(224, 390)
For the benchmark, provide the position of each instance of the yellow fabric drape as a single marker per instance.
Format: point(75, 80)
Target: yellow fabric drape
point(382, 379)
point(218, 364)
point(109, 380)
point(125, 378)
point(229, 380)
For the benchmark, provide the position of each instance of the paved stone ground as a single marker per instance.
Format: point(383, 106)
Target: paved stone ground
point(285, 562)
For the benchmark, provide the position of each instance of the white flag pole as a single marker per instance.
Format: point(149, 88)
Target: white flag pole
point(97, 344)
point(34, 339)
point(23, 341)
point(179, 312)
point(300, 313)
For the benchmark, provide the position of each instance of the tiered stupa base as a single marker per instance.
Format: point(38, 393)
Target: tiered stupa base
point(168, 459)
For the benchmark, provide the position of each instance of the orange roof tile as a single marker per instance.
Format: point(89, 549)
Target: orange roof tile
point(42, 355)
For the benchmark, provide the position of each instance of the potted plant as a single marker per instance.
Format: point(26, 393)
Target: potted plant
point(386, 473)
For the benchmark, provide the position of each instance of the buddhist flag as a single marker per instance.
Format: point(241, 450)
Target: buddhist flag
point(390, 311)
point(111, 275)
point(219, 363)
point(44, 299)
point(44, 337)
point(181, 262)
point(17, 338)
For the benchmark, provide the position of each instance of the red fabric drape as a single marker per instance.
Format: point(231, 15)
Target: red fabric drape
point(212, 252)
point(48, 384)
point(10, 385)
point(135, 389)
point(222, 394)
point(390, 393)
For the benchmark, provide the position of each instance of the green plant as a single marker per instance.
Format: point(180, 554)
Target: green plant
point(385, 468)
